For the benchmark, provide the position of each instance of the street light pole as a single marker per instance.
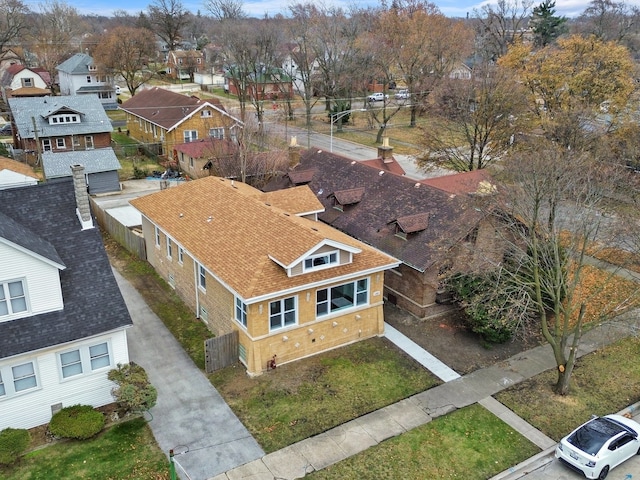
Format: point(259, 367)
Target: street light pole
point(338, 116)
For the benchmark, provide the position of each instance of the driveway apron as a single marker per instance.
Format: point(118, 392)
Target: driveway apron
point(190, 416)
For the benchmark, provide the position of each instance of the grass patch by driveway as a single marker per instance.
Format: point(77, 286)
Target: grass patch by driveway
point(307, 397)
point(603, 382)
point(124, 451)
point(469, 444)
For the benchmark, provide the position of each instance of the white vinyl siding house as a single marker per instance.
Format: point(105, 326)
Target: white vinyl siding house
point(32, 407)
point(38, 276)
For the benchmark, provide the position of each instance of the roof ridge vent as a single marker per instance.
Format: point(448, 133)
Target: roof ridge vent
point(417, 185)
point(381, 172)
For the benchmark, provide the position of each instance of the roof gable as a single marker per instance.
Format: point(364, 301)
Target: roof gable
point(48, 211)
point(244, 234)
point(435, 220)
point(169, 109)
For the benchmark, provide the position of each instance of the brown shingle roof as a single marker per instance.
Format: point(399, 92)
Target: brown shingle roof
point(386, 199)
point(228, 227)
point(350, 196)
point(466, 183)
point(18, 167)
point(166, 108)
point(413, 223)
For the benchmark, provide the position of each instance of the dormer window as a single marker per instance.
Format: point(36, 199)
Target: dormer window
point(410, 224)
point(343, 198)
point(12, 298)
point(320, 261)
point(64, 118)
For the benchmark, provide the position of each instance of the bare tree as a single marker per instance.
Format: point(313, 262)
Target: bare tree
point(225, 9)
point(52, 36)
point(608, 20)
point(167, 19)
point(473, 120)
point(12, 22)
point(500, 26)
point(555, 197)
point(127, 51)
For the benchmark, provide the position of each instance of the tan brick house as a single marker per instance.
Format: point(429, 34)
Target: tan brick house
point(261, 264)
point(432, 229)
point(163, 118)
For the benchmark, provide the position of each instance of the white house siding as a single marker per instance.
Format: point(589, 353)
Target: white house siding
point(33, 408)
point(43, 280)
point(37, 80)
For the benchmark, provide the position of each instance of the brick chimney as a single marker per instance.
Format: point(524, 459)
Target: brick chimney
point(385, 152)
point(83, 209)
point(294, 153)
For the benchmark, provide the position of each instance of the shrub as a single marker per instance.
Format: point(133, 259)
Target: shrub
point(133, 392)
point(13, 441)
point(77, 421)
point(139, 173)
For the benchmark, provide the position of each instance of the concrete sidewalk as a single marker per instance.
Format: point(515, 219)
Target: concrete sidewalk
point(190, 416)
point(362, 433)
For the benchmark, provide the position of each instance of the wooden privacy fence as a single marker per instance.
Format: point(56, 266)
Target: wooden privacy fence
point(220, 352)
point(126, 237)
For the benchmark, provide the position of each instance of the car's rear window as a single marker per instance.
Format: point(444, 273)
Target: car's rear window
point(590, 437)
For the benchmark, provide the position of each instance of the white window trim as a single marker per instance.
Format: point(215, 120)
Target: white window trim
point(4, 285)
point(156, 234)
point(46, 145)
point(169, 248)
point(88, 139)
point(180, 255)
point(60, 144)
point(241, 309)
point(190, 138)
point(340, 310)
point(201, 274)
point(283, 312)
point(217, 132)
point(85, 360)
point(324, 266)
point(9, 381)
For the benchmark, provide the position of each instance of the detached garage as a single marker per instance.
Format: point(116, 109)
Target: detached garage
point(100, 167)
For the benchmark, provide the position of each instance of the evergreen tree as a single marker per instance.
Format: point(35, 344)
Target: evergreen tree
point(545, 24)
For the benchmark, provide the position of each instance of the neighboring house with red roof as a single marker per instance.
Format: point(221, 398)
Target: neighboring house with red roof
point(261, 265)
point(163, 118)
point(196, 158)
point(18, 80)
point(432, 231)
point(384, 160)
point(475, 182)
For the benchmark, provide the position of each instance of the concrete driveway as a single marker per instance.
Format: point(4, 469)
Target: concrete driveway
point(190, 416)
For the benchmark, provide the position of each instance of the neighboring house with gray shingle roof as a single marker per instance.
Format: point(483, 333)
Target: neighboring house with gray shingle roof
point(61, 124)
point(100, 167)
point(259, 264)
point(79, 75)
point(433, 231)
point(58, 337)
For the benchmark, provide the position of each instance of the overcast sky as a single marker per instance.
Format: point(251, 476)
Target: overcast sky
point(257, 8)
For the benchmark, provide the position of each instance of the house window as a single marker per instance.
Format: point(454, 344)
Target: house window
point(60, 143)
point(46, 145)
point(104, 95)
point(63, 118)
point(191, 162)
point(88, 142)
point(179, 61)
point(12, 298)
point(169, 247)
point(3, 391)
point(27, 82)
point(318, 262)
point(190, 136)
point(156, 232)
point(180, 255)
point(282, 313)
point(216, 133)
point(202, 277)
point(24, 377)
point(71, 363)
point(84, 359)
point(76, 140)
point(241, 312)
point(329, 300)
point(205, 113)
point(88, 78)
point(99, 356)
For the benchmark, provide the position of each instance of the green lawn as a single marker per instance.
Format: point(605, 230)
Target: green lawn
point(310, 396)
point(604, 382)
point(125, 451)
point(469, 444)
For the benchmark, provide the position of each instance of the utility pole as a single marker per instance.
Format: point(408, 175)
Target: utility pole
point(38, 149)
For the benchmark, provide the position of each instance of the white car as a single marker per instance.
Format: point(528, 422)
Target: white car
point(118, 90)
point(377, 97)
point(402, 94)
point(600, 445)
